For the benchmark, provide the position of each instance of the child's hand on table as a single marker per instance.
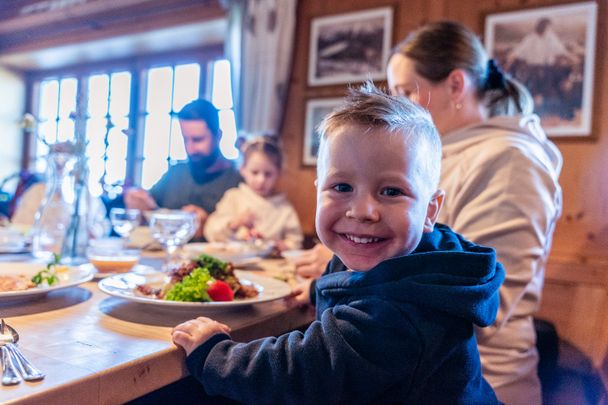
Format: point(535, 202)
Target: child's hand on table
point(191, 334)
point(244, 219)
point(300, 292)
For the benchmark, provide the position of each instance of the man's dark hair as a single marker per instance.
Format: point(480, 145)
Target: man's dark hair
point(201, 109)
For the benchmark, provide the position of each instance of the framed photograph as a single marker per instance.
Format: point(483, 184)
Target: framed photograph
point(316, 110)
point(350, 47)
point(551, 50)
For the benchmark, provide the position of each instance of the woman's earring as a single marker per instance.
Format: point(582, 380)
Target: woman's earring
point(458, 106)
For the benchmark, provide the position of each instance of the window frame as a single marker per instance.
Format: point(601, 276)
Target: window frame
point(138, 67)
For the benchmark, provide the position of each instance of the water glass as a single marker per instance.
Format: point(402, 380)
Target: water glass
point(172, 229)
point(124, 221)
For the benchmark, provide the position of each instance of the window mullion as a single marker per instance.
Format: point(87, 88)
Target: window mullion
point(106, 140)
point(81, 113)
point(172, 114)
point(134, 131)
point(140, 125)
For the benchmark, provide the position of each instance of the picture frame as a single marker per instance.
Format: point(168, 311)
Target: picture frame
point(551, 50)
point(351, 47)
point(316, 110)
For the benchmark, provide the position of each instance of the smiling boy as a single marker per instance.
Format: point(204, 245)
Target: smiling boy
point(398, 303)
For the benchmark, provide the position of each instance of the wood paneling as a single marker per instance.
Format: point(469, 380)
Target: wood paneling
point(575, 299)
point(575, 296)
point(97, 19)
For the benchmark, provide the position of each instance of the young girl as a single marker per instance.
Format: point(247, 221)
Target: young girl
point(254, 209)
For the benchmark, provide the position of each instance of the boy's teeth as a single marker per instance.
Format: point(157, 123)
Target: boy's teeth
point(357, 239)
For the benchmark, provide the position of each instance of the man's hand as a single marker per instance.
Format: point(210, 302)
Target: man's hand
point(193, 333)
point(312, 263)
point(201, 217)
point(138, 198)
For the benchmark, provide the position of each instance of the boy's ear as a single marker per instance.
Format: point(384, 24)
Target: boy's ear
point(432, 211)
point(316, 183)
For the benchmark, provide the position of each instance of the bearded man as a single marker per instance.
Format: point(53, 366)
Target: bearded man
point(197, 184)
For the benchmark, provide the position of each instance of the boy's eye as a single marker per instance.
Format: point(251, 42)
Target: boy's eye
point(342, 188)
point(392, 192)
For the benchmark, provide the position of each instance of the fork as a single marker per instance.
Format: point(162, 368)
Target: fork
point(8, 340)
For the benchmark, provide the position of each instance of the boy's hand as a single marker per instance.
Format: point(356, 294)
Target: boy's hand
point(300, 293)
point(193, 333)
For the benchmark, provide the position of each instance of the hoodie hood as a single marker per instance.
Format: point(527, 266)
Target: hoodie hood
point(520, 129)
point(444, 273)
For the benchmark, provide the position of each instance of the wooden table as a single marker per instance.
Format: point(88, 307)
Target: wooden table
point(100, 349)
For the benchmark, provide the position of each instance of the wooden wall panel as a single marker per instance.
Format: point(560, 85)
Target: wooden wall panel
point(578, 307)
point(575, 299)
point(96, 19)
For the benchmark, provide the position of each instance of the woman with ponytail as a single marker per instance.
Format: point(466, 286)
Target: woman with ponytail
point(500, 174)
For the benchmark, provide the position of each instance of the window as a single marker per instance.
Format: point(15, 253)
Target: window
point(128, 114)
point(169, 89)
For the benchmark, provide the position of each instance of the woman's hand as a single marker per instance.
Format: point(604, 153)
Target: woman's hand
point(312, 263)
point(193, 333)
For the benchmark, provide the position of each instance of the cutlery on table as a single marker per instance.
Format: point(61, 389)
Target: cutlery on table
point(10, 352)
point(10, 376)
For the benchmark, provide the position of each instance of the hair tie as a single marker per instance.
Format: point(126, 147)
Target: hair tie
point(495, 79)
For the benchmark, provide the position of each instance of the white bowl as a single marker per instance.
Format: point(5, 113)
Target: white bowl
point(293, 255)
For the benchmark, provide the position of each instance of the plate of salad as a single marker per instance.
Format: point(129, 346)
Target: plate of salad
point(23, 280)
point(204, 281)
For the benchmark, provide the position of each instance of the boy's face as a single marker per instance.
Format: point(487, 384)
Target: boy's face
point(373, 198)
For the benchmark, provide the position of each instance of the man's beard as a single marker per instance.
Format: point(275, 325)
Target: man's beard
point(199, 164)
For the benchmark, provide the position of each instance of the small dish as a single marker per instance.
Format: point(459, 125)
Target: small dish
point(293, 255)
point(108, 256)
point(137, 269)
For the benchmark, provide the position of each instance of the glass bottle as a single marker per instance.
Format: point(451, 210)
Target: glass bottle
point(56, 225)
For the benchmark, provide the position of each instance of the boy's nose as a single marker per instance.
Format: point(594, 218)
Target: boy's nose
point(364, 208)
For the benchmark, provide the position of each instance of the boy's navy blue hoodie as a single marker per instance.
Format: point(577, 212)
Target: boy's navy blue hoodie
point(400, 332)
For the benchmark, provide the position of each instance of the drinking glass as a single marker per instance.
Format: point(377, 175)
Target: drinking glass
point(172, 229)
point(124, 221)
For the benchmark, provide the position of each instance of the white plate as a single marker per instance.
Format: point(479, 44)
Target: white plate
point(235, 252)
point(74, 276)
point(124, 286)
point(13, 249)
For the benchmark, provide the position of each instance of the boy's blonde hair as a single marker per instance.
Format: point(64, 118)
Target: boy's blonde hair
point(374, 109)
